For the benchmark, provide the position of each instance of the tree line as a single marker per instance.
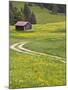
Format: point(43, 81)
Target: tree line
point(26, 14)
point(56, 8)
point(23, 14)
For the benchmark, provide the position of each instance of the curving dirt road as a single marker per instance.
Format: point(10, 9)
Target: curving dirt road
point(19, 47)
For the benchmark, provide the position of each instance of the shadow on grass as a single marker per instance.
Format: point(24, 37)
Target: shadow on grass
point(25, 31)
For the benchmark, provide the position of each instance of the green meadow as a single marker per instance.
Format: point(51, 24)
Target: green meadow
point(48, 37)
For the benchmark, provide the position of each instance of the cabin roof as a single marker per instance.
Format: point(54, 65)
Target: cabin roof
point(21, 23)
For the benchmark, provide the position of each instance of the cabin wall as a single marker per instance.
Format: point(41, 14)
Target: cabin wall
point(28, 26)
point(19, 28)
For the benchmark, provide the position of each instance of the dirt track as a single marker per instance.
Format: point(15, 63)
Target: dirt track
point(19, 47)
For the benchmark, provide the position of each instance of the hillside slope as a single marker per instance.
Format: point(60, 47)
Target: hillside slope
point(40, 13)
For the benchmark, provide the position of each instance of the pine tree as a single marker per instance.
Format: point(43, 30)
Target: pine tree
point(33, 18)
point(11, 15)
point(17, 15)
point(27, 12)
point(14, 14)
point(55, 8)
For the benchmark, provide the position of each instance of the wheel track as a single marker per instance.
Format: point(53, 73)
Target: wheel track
point(19, 47)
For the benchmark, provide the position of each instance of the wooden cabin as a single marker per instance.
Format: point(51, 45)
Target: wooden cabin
point(23, 25)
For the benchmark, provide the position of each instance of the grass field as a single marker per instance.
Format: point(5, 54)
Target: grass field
point(33, 70)
point(48, 36)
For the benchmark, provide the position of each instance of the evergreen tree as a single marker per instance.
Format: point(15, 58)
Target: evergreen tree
point(17, 15)
point(11, 15)
point(27, 12)
point(33, 18)
point(14, 14)
point(55, 8)
point(62, 9)
point(29, 4)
